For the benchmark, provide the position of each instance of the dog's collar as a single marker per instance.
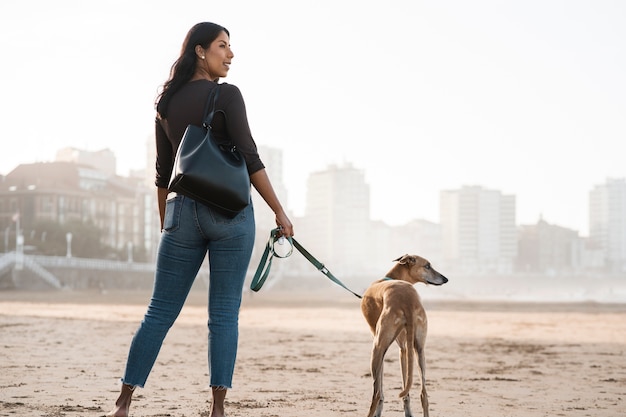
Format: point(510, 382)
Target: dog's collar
point(387, 279)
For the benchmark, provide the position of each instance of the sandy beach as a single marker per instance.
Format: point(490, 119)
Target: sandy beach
point(62, 353)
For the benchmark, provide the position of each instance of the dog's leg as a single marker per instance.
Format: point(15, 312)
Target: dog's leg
point(386, 333)
point(404, 367)
point(406, 402)
point(376, 408)
point(419, 345)
point(377, 364)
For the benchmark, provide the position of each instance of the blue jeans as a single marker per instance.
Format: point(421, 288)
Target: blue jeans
point(191, 229)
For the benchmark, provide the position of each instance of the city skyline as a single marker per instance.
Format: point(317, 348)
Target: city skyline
point(523, 98)
point(477, 232)
point(62, 156)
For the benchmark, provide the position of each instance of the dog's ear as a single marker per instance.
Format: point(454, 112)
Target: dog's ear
point(405, 259)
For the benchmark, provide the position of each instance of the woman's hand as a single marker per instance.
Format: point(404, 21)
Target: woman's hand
point(284, 225)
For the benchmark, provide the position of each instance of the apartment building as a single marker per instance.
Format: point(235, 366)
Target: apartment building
point(607, 223)
point(337, 218)
point(549, 249)
point(478, 228)
point(64, 192)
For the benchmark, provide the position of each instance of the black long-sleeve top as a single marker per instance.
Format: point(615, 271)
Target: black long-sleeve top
point(186, 107)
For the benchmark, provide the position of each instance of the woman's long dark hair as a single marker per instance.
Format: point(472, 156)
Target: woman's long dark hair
point(182, 70)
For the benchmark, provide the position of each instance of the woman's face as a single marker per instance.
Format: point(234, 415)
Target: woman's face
point(217, 57)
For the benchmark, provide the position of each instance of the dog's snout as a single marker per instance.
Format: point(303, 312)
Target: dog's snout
point(437, 280)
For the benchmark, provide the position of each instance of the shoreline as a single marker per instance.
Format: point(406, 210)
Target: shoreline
point(318, 299)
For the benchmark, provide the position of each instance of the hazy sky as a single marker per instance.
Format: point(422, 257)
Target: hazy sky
point(526, 97)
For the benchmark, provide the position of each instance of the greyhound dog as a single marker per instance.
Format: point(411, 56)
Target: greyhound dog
point(392, 308)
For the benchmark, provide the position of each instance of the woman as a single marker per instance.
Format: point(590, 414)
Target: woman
point(191, 229)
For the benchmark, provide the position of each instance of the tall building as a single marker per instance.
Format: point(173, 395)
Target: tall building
point(607, 222)
point(102, 160)
point(273, 160)
point(417, 237)
point(478, 230)
point(263, 215)
point(337, 218)
point(549, 249)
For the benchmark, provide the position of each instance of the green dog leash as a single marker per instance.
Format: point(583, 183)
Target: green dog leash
point(269, 253)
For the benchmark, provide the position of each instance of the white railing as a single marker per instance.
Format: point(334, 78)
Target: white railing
point(6, 262)
point(84, 263)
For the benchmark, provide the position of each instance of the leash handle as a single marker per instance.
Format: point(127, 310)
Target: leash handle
point(263, 270)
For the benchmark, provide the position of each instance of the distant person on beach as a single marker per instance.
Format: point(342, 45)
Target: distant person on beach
point(190, 230)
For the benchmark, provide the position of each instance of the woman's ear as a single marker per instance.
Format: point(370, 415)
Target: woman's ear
point(200, 52)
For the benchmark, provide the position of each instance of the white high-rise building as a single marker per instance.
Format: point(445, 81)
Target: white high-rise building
point(478, 230)
point(337, 218)
point(265, 218)
point(607, 222)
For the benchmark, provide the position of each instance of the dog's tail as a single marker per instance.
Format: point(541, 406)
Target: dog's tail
point(410, 356)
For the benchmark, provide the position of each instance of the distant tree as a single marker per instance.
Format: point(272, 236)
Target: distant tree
point(139, 254)
point(47, 237)
point(86, 240)
point(50, 238)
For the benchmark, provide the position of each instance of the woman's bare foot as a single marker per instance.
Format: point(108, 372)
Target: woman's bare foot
point(122, 405)
point(217, 405)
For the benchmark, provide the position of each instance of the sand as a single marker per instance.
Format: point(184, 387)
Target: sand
point(62, 354)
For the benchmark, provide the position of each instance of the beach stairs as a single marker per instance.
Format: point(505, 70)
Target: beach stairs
point(8, 278)
point(6, 263)
point(43, 273)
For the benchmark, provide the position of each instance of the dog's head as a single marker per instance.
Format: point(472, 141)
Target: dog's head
point(414, 269)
